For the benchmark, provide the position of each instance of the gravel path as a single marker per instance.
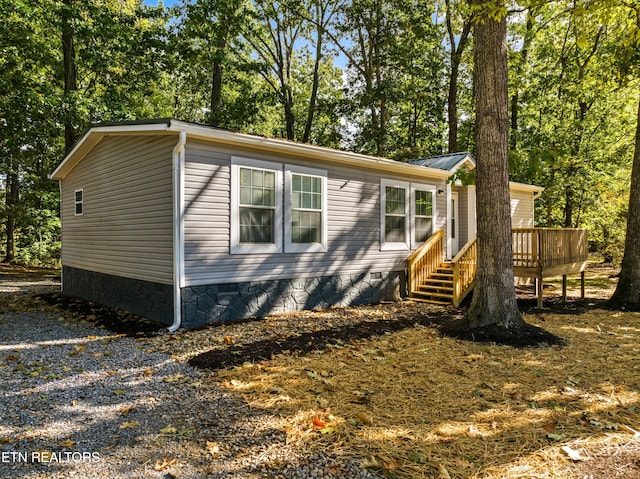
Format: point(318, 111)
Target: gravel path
point(77, 401)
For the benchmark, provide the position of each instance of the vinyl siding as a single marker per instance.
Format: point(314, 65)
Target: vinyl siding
point(353, 243)
point(522, 209)
point(126, 229)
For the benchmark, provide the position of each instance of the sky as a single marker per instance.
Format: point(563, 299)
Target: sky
point(167, 3)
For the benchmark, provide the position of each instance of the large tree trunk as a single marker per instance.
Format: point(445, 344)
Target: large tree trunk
point(216, 80)
point(494, 298)
point(455, 57)
point(69, 66)
point(628, 290)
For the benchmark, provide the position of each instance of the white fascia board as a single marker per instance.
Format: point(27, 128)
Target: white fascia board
point(466, 159)
point(536, 190)
point(93, 136)
point(320, 153)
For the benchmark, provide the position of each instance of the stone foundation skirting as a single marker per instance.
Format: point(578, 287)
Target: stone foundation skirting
point(234, 301)
point(151, 300)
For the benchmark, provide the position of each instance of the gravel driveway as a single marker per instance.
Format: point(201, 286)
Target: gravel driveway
point(77, 401)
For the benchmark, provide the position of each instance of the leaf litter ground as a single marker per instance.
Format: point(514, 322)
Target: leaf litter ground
point(391, 390)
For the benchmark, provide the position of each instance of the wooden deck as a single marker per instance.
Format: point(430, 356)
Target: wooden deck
point(538, 253)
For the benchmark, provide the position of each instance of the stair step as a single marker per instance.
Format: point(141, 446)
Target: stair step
point(436, 294)
point(429, 300)
point(428, 286)
point(435, 290)
point(444, 282)
point(442, 276)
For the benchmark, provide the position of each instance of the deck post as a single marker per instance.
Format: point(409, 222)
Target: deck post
point(582, 284)
point(539, 292)
point(564, 288)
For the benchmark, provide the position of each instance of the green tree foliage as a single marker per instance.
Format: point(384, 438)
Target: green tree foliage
point(117, 57)
point(383, 77)
point(572, 125)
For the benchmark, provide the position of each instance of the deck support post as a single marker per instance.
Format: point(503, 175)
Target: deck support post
point(582, 284)
point(564, 288)
point(539, 287)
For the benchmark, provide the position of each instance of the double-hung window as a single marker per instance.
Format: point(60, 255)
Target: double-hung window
point(306, 209)
point(267, 219)
point(78, 202)
point(423, 212)
point(407, 214)
point(394, 217)
point(256, 206)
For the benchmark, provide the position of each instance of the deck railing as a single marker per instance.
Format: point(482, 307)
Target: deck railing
point(424, 261)
point(543, 247)
point(465, 264)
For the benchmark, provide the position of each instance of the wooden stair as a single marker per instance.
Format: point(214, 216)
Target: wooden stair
point(438, 287)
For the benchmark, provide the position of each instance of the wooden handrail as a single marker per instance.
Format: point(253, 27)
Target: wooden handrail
point(465, 265)
point(541, 247)
point(424, 261)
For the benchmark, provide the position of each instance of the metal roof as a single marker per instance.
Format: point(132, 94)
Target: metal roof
point(448, 162)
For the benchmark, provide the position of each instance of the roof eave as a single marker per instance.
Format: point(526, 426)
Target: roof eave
point(325, 154)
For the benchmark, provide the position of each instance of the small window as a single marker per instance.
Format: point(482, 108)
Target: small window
point(79, 202)
point(306, 211)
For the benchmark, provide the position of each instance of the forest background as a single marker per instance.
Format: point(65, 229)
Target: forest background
point(391, 78)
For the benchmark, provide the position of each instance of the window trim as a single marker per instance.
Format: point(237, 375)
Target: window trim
point(252, 248)
point(394, 246)
point(289, 246)
point(76, 202)
point(433, 190)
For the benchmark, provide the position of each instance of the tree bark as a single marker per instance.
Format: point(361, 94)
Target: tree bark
point(10, 223)
point(455, 56)
point(628, 289)
point(494, 298)
point(69, 66)
point(216, 79)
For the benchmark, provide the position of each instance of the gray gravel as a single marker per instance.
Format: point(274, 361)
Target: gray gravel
point(92, 404)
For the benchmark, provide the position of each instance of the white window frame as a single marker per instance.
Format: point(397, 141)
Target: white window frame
point(394, 246)
point(289, 246)
point(76, 202)
point(252, 248)
point(433, 190)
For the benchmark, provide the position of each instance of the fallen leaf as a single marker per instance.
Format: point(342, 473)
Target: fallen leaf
point(119, 392)
point(129, 425)
point(418, 457)
point(228, 340)
point(549, 427)
point(213, 448)
point(11, 357)
point(148, 372)
point(556, 437)
point(161, 465)
point(67, 443)
point(364, 419)
point(328, 430)
point(168, 430)
point(124, 411)
point(317, 422)
point(572, 453)
point(443, 473)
